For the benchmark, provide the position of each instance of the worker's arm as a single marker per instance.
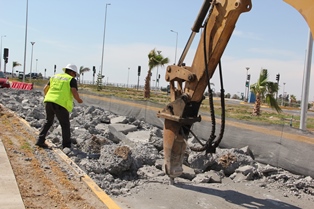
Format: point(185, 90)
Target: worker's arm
point(46, 89)
point(76, 95)
point(73, 85)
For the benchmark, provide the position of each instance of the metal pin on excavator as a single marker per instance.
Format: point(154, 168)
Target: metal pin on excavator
point(217, 18)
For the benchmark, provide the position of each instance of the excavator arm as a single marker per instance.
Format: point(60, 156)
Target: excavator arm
point(217, 19)
point(306, 9)
point(188, 83)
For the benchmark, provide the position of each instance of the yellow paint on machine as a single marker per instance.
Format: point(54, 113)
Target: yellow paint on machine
point(306, 9)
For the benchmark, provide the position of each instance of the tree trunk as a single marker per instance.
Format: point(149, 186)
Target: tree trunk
point(147, 85)
point(257, 106)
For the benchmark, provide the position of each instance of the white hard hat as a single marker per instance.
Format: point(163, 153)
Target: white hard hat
point(71, 67)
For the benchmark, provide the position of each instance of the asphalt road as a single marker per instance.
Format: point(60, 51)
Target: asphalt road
point(289, 111)
point(208, 196)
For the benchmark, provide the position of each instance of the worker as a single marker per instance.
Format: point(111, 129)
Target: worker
point(59, 93)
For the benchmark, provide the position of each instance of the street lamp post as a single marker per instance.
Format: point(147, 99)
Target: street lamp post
point(128, 78)
point(1, 51)
point(175, 54)
point(25, 42)
point(36, 64)
point(103, 41)
point(283, 91)
point(247, 87)
point(157, 72)
point(30, 71)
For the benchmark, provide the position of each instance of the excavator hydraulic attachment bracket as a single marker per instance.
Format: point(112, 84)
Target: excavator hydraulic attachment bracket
point(178, 73)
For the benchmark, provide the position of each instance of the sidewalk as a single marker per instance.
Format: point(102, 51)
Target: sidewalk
point(10, 197)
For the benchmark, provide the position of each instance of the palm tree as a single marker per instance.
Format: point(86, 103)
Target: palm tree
point(15, 64)
point(264, 89)
point(293, 100)
point(82, 71)
point(154, 60)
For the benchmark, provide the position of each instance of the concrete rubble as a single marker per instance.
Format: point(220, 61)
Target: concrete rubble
point(123, 155)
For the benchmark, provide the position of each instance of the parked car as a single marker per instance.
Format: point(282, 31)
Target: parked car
point(20, 75)
point(4, 81)
point(32, 75)
point(167, 89)
point(8, 74)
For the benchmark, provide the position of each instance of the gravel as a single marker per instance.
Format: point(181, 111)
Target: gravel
point(122, 153)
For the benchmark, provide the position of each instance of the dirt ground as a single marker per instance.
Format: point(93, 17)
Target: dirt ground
point(44, 179)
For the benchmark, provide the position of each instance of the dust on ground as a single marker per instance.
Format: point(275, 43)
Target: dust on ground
point(44, 180)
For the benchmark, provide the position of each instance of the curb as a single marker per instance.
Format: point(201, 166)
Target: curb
point(87, 180)
point(10, 196)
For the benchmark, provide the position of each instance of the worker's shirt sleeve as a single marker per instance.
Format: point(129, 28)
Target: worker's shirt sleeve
point(73, 83)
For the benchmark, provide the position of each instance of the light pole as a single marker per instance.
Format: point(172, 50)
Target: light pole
point(247, 84)
point(283, 91)
point(36, 64)
point(30, 71)
point(103, 41)
point(157, 72)
point(1, 51)
point(175, 55)
point(25, 42)
point(128, 78)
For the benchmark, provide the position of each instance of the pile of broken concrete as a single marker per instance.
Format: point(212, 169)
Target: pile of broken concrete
point(121, 153)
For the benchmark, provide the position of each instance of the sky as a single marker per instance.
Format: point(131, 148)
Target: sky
point(272, 36)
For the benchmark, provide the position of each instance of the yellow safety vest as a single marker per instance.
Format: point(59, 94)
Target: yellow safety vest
point(60, 91)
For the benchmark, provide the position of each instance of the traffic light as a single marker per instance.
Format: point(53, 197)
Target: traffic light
point(5, 53)
point(248, 77)
point(94, 70)
point(277, 77)
point(139, 71)
point(247, 84)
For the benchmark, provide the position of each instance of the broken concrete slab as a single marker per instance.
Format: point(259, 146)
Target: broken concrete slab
point(119, 119)
point(140, 136)
point(124, 128)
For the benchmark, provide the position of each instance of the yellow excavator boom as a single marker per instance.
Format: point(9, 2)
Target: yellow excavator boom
point(306, 9)
point(216, 21)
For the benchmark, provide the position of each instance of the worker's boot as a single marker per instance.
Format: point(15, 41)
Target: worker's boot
point(42, 144)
